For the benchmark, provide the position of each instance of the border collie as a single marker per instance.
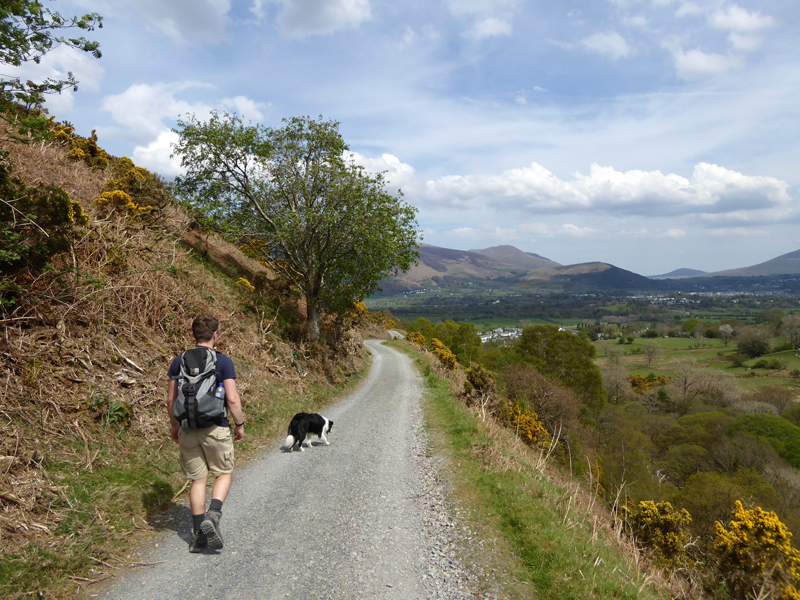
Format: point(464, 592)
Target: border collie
point(301, 428)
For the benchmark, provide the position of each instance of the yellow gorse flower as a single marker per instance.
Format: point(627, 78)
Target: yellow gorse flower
point(244, 283)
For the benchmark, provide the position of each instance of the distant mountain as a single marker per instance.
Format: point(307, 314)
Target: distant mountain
point(589, 276)
point(678, 273)
point(442, 266)
point(517, 258)
point(508, 267)
point(786, 264)
point(505, 266)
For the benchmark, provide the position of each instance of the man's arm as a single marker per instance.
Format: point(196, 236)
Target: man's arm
point(172, 395)
point(235, 408)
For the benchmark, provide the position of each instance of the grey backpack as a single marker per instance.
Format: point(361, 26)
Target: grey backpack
point(196, 405)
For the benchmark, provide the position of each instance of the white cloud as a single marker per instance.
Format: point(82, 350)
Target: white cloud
point(673, 234)
point(574, 231)
point(608, 44)
point(247, 108)
point(142, 108)
point(740, 20)
point(301, 18)
point(486, 18)
point(696, 64)
point(688, 9)
point(533, 188)
point(183, 21)
point(736, 232)
point(713, 193)
point(398, 174)
point(744, 42)
point(490, 27)
point(636, 21)
point(147, 111)
point(259, 10)
point(156, 156)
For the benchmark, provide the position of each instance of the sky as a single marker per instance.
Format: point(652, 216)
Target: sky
point(649, 134)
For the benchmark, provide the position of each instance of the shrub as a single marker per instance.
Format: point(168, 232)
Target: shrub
point(555, 405)
point(443, 353)
point(756, 555)
point(737, 360)
point(416, 338)
point(478, 380)
point(35, 224)
point(525, 423)
point(641, 384)
point(753, 342)
point(771, 363)
point(660, 527)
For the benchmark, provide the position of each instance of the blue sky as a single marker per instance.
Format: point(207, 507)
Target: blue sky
point(650, 134)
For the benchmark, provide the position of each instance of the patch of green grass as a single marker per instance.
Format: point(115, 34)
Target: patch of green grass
point(548, 548)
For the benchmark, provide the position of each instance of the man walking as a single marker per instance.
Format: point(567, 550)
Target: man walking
point(206, 449)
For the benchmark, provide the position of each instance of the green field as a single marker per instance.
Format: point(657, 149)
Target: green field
point(712, 353)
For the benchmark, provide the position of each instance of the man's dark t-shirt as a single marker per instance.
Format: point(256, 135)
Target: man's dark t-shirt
point(225, 370)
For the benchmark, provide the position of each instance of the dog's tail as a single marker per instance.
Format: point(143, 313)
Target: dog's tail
point(289, 442)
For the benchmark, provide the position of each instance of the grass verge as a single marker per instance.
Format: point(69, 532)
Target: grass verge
point(550, 541)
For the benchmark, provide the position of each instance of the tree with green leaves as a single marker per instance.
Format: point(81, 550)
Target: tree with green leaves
point(790, 327)
point(563, 356)
point(298, 203)
point(28, 31)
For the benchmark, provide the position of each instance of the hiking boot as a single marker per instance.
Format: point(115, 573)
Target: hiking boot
point(198, 543)
point(210, 526)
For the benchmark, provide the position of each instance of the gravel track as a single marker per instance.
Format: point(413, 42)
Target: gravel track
point(364, 517)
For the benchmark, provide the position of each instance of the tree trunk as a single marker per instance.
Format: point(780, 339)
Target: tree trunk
point(313, 320)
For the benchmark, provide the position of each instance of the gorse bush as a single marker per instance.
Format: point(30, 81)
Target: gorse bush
point(641, 384)
point(417, 339)
point(526, 424)
point(662, 528)
point(147, 191)
point(443, 353)
point(479, 380)
point(755, 556)
point(35, 224)
point(78, 148)
point(120, 201)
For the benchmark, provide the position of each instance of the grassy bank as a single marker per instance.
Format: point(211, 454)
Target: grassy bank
point(552, 540)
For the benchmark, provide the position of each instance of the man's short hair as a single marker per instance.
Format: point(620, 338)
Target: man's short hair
point(204, 326)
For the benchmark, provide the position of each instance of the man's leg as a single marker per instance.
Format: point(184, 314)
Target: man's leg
point(197, 503)
point(221, 487)
point(197, 496)
point(219, 454)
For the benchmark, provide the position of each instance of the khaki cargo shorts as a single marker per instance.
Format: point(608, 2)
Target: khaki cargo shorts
point(206, 450)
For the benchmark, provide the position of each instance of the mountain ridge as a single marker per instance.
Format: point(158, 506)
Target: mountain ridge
point(508, 266)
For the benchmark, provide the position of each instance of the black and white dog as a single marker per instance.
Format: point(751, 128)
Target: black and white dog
point(301, 428)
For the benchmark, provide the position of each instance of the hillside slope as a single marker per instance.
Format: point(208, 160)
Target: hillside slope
point(517, 258)
point(786, 264)
point(438, 266)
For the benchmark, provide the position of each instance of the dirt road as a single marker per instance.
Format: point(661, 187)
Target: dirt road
point(361, 518)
